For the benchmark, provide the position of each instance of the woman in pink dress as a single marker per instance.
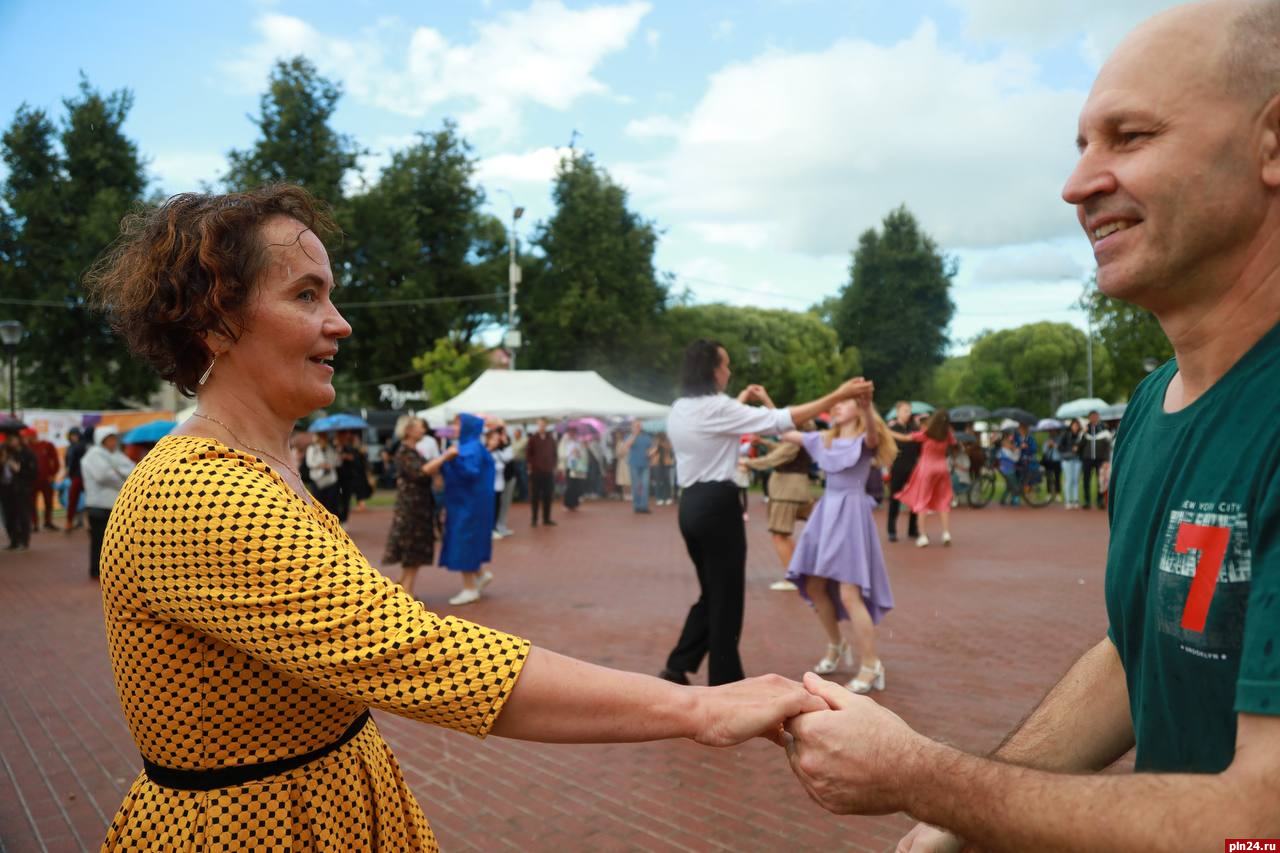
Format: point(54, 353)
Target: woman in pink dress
point(929, 489)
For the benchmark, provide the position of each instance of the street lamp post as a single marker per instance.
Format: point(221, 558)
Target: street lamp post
point(512, 340)
point(1089, 351)
point(10, 335)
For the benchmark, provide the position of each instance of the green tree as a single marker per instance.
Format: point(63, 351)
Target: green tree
point(63, 203)
point(948, 385)
point(1131, 336)
point(1035, 367)
point(297, 143)
point(897, 305)
point(449, 367)
point(594, 299)
point(797, 357)
point(417, 253)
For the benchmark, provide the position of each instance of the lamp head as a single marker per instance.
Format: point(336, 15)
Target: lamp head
point(10, 333)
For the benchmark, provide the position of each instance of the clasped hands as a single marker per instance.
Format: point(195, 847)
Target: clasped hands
point(851, 755)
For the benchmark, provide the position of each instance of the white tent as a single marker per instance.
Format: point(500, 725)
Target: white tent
point(519, 395)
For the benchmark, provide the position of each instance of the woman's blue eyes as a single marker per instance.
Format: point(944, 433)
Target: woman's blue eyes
point(309, 295)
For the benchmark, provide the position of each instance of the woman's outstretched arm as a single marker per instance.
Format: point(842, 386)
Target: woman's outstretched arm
point(560, 699)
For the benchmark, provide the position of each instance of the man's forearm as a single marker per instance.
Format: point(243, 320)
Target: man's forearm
point(1083, 724)
point(807, 411)
point(1000, 807)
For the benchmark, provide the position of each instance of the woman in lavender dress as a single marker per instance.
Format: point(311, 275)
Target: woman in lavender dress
point(838, 566)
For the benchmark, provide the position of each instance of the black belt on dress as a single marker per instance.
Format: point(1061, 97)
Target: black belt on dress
point(231, 777)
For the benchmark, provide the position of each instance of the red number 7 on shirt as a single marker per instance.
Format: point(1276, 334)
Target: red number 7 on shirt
point(1211, 542)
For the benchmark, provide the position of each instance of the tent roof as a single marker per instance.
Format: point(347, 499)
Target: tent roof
point(527, 394)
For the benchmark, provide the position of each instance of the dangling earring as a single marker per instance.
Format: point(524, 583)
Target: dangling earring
point(204, 377)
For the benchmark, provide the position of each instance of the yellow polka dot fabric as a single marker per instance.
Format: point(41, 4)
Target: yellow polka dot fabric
point(245, 626)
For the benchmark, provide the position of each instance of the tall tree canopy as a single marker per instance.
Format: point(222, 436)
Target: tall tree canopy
point(449, 367)
point(62, 202)
point(1130, 335)
point(594, 299)
point(1035, 367)
point(897, 305)
point(797, 357)
point(296, 142)
point(420, 261)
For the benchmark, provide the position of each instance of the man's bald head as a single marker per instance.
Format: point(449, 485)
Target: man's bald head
point(1251, 58)
point(1178, 183)
point(1238, 39)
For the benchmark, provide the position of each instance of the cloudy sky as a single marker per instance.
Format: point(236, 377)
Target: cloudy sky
point(762, 136)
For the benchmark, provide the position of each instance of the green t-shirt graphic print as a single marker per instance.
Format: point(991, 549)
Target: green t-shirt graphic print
point(1193, 569)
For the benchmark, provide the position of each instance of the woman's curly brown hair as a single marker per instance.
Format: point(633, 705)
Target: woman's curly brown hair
point(189, 267)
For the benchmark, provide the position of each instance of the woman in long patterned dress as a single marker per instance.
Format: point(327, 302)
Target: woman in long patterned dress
point(412, 538)
point(249, 637)
point(838, 566)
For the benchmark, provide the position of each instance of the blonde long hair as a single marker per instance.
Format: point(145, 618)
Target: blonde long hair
point(886, 449)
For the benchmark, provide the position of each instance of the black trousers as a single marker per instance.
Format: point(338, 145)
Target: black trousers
point(573, 488)
point(327, 497)
point(1053, 475)
point(1088, 468)
point(711, 524)
point(98, 519)
point(897, 482)
point(16, 506)
point(542, 488)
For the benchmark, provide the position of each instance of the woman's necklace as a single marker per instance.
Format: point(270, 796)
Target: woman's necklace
point(248, 446)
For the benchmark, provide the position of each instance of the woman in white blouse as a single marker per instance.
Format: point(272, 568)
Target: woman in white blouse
point(705, 425)
point(322, 465)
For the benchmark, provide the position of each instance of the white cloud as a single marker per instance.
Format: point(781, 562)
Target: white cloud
point(1096, 26)
point(653, 126)
point(1031, 263)
point(545, 55)
point(532, 167)
point(186, 171)
point(806, 150)
point(700, 270)
point(652, 37)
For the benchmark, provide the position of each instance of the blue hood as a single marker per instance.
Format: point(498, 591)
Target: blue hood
point(469, 427)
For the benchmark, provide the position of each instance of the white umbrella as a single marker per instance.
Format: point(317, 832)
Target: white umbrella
point(1080, 408)
point(1114, 412)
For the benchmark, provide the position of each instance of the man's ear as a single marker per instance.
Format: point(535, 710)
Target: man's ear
point(1271, 143)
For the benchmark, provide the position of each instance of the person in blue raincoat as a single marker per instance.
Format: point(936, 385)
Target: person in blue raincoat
point(468, 504)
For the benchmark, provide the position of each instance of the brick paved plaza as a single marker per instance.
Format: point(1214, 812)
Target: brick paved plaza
point(981, 630)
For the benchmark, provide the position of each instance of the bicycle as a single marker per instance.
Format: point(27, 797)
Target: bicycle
point(1034, 487)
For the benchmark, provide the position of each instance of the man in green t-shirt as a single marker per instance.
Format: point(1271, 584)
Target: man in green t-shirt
point(1178, 189)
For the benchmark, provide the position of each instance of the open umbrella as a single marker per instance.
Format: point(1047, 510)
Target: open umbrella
point(9, 424)
point(337, 423)
point(1114, 412)
point(918, 407)
point(148, 433)
point(588, 424)
point(968, 414)
point(1047, 424)
point(1080, 408)
point(1022, 416)
point(966, 438)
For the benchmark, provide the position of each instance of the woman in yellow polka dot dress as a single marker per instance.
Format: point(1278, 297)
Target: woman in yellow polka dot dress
point(248, 635)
